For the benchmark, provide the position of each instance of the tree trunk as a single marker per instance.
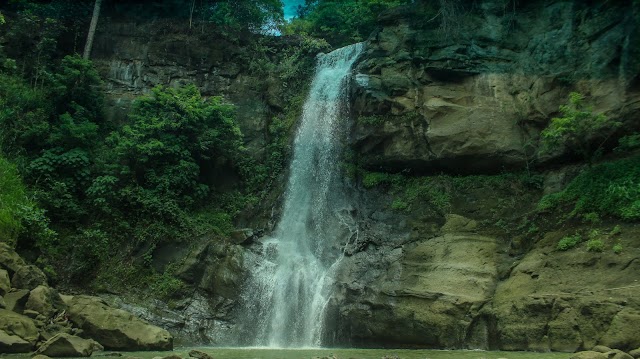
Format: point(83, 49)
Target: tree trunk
point(92, 29)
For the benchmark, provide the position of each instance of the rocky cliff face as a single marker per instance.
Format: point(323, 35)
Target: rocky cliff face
point(469, 100)
point(474, 100)
point(474, 96)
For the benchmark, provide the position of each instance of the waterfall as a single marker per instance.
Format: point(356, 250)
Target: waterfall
point(289, 286)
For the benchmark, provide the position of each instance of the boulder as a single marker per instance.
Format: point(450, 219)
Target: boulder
point(116, 329)
point(601, 349)
point(618, 354)
point(16, 324)
point(635, 353)
point(9, 259)
point(241, 236)
point(5, 283)
point(16, 300)
point(199, 355)
point(624, 331)
point(13, 343)
point(3, 304)
point(589, 355)
point(44, 300)
point(28, 277)
point(458, 224)
point(66, 345)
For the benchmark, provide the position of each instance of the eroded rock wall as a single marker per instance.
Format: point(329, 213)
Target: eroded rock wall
point(474, 96)
point(471, 100)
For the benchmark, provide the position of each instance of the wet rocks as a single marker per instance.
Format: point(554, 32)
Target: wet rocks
point(19, 325)
point(116, 329)
point(199, 354)
point(34, 315)
point(65, 345)
point(13, 344)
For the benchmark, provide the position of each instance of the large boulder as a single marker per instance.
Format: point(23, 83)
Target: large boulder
point(66, 345)
point(28, 277)
point(426, 294)
point(116, 329)
point(624, 331)
point(5, 283)
point(16, 324)
point(13, 343)
point(9, 259)
point(44, 300)
point(589, 355)
point(16, 300)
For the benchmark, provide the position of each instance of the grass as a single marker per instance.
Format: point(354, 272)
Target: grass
point(437, 191)
point(607, 189)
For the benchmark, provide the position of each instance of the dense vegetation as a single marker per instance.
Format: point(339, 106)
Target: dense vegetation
point(92, 199)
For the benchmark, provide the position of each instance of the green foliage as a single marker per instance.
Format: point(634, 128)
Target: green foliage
point(373, 120)
point(578, 128)
point(20, 217)
point(340, 22)
point(411, 191)
point(374, 179)
point(238, 15)
point(595, 245)
point(592, 218)
point(13, 198)
point(168, 150)
point(617, 248)
point(166, 285)
point(628, 143)
point(606, 189)
point(569, 242)
point(615, 231)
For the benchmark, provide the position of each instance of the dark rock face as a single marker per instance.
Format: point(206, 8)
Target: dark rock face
point(475, 98)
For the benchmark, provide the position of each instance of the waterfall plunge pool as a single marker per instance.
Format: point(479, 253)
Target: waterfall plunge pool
point(268, 353)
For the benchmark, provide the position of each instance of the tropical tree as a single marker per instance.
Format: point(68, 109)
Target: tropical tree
point(92, 29)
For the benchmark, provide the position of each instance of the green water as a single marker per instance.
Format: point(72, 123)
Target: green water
point(218, 353)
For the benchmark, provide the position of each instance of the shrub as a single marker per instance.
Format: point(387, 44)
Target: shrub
point(617, 248)
point(595, 245)
point(628, 143)
point(569, 242)
point(606, 189)
point(578, 128)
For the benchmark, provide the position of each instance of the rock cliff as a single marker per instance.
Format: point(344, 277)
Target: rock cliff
point(473, 99)
point(474, 96)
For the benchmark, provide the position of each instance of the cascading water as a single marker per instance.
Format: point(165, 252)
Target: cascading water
point(290, 284)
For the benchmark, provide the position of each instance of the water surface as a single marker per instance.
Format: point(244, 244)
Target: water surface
point(249, 353)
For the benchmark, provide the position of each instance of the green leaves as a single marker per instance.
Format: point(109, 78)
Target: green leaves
point(340, 22)
point(579, 128)
point(607, 189)
point(174, 139)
